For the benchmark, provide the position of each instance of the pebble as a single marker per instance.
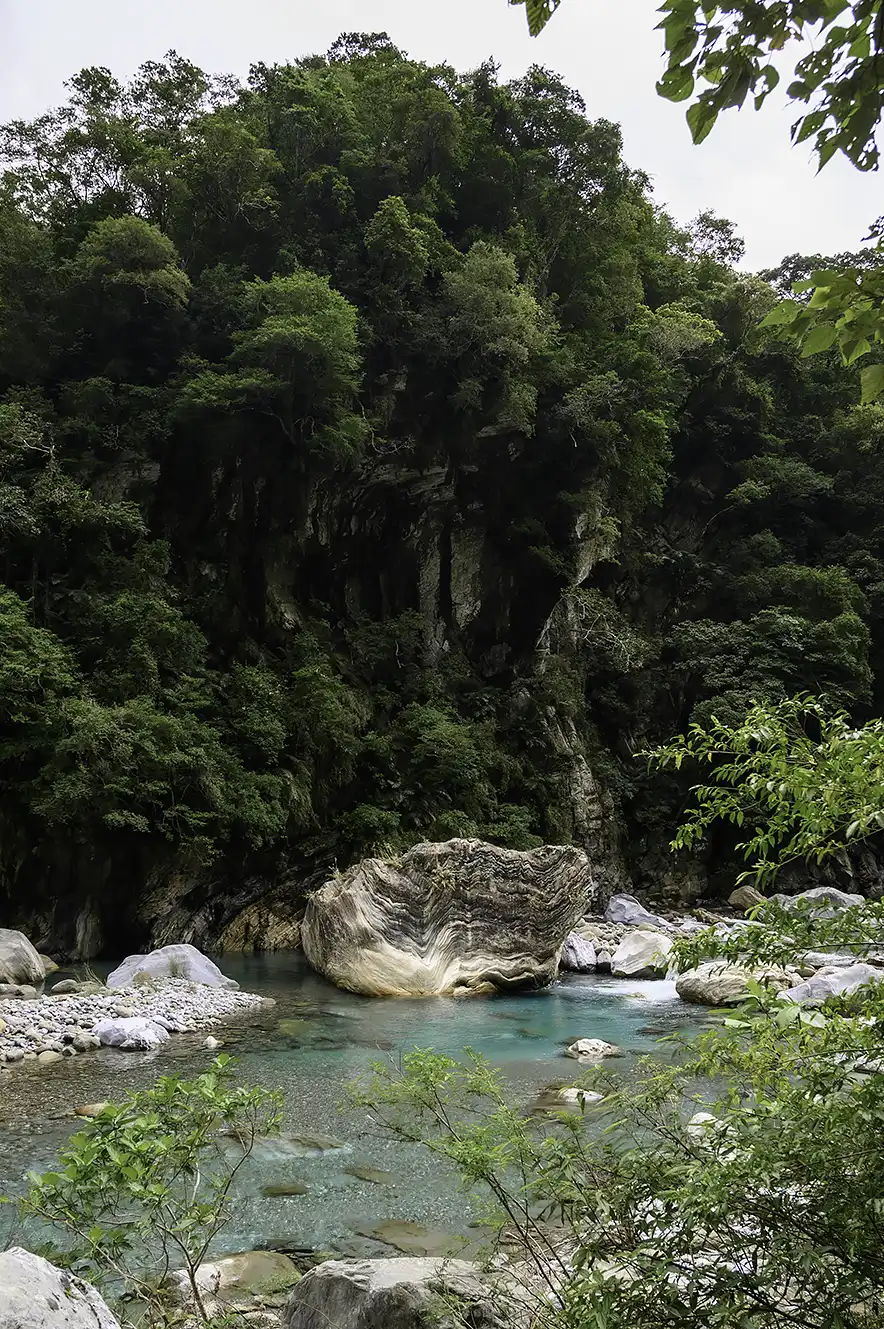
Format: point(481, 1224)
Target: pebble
point(54, 1026)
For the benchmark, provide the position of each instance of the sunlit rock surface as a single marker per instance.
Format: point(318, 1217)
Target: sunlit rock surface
point(448, 917)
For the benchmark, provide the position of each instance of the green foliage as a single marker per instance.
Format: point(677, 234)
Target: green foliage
point(373, 452)
point(801, 779)
point(764, 1212)
point(145, 1187)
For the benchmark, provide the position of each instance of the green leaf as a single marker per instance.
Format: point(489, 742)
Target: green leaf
point(701, 118)
point(818, 339)
point(785, 312)
point(872, 382)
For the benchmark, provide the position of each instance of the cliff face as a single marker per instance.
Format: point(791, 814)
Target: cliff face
point(379, 465)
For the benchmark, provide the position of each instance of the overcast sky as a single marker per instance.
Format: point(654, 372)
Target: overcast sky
point(608, 49)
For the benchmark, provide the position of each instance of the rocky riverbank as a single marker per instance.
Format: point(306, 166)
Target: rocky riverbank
point(47, 1028)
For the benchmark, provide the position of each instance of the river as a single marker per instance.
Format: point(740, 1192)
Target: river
point(310, 1046)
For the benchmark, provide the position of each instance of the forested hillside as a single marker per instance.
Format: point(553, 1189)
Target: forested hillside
point(378, 462)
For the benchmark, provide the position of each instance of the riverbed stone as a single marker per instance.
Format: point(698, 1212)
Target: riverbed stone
point(718, 983)
point(642, 954)
point(134, 1032)
point(176, 961)
point(628, 910)
point(19, 960)
point(592, 1049)
point(824, 901)
point(34, 1294)
point(414, 1238)
point(745, 897)
point(373, 1174)
point(231, 1278)
point(48, 1056)
point(403, 1293)
point(833, 981)
point(448, 916)
point(578, 954)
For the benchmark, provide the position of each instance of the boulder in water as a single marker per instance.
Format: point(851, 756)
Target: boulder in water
point(446, 917)
point(34, 1294)
point(592, 1049)
point(19, 961)
point(642, 954)
point(177, 961)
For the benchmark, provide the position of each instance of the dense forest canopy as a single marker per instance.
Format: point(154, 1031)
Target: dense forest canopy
point(379, 461)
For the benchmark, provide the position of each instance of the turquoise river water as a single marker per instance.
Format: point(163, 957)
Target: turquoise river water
point(310, 1046)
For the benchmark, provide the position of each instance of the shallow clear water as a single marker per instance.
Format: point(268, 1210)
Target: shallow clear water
point(311, 1062)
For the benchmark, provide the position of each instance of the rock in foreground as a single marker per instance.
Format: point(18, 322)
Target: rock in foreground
point(446, 918)
point(19, 961)
point(36, 1295)
point(406, 1293)
point(178, 961)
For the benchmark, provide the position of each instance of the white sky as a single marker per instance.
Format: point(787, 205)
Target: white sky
point(608, 49)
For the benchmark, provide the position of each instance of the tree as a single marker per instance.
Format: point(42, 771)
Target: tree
point(733, 49)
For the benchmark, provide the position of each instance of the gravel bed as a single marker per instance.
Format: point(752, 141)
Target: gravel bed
point(63, 1025)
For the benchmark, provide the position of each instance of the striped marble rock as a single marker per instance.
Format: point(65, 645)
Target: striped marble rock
point(453, 917)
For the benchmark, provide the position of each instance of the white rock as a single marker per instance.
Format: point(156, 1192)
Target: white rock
point(718, 983)
point(571, 1094)
point(578, 955)
point(19, 961)
point(135, 1032)
point(211, 1043)
point(178, 961)
point(592, 1049)
point(833, 981)
point(627, 909)
point(642, 954)
point(36, 1295)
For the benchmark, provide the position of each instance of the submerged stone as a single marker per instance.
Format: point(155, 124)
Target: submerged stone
point(414, 1238)
point(374, 1174)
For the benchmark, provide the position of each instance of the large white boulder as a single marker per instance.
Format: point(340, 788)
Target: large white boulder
point(399, 1293)
point(451, 917)
point(718, 983)
point(642, 954)
point(628, 910)
point(19, 960)
point(833, 981)
point(36, 1295)
point(578, 954)
point(178, 961)
point(130, 1032)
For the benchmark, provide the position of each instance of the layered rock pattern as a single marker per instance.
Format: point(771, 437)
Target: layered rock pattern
point(450, 917)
